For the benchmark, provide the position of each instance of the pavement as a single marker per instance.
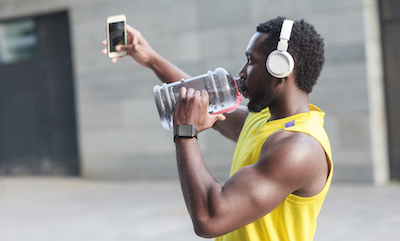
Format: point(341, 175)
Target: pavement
point(66, 209)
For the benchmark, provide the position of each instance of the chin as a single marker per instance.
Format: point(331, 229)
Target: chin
point(258, 107)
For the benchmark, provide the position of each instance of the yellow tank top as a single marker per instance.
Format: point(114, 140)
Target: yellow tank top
point(295, 218)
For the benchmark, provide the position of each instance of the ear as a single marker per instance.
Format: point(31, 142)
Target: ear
point(291, 75)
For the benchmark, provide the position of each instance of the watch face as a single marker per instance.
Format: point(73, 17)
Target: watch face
point(185, 130)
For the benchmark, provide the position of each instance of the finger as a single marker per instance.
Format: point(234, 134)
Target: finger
point(204, 94)
point(197, 92)
point(114, 60)
point(104, 42)
point(182, 92)
point(130, 29)
point(131, 34)
point(190, 92)
point(105, 51)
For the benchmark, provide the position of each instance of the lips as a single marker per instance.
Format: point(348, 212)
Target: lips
point(244, 94)
point(244, 91)
point(240, 85)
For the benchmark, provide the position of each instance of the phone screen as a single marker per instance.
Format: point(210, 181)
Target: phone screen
point(117, 34)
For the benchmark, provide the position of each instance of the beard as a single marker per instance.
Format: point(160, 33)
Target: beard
point(262, 99)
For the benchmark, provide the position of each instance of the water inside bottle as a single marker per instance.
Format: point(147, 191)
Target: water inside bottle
point(222, 99)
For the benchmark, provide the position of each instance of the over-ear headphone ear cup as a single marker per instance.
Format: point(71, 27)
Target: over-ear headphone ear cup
point(280, 64)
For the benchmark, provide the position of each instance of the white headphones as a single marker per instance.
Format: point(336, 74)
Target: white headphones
point(279, 62)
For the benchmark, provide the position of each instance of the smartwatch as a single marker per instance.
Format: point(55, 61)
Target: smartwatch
point(185, 131)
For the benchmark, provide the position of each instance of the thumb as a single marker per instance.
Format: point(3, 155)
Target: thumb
point(122, 48)
point(219, 117)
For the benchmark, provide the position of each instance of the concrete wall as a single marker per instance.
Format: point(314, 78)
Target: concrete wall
point(119, 131)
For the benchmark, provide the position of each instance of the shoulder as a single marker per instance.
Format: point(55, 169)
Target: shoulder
point(291, 141)
point(296, 158)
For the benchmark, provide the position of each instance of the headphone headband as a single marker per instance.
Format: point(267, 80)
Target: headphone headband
point(286, 31)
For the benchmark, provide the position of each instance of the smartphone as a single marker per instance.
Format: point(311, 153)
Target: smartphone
point(116, 34)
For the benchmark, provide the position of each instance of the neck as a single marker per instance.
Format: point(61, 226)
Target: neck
point(294, 103)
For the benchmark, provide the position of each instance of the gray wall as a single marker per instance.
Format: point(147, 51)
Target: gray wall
point(119, 131)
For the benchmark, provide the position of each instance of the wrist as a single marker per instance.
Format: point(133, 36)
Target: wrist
point(153, 61)
point(185, 131)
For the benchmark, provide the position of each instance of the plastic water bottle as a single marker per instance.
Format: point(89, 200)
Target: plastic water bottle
point(223, 91)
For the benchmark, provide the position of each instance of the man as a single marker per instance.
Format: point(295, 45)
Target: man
point(282, 168)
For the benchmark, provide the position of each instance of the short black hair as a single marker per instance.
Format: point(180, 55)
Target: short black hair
point(305, 45)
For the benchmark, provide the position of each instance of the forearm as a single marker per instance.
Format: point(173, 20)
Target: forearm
point(200, 190)
point(139, 49)
point(165, 70)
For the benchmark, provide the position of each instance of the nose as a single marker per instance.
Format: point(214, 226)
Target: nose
point(242, 71)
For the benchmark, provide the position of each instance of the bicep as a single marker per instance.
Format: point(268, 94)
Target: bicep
point(246, 197)
point(251, 193)
point(255, 193)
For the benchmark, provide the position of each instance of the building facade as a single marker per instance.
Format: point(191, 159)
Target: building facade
point(110, 107)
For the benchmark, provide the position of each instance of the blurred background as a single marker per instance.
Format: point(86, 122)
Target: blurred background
point(67, 111)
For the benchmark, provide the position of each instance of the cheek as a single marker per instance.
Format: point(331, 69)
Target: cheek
point(258, 71)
